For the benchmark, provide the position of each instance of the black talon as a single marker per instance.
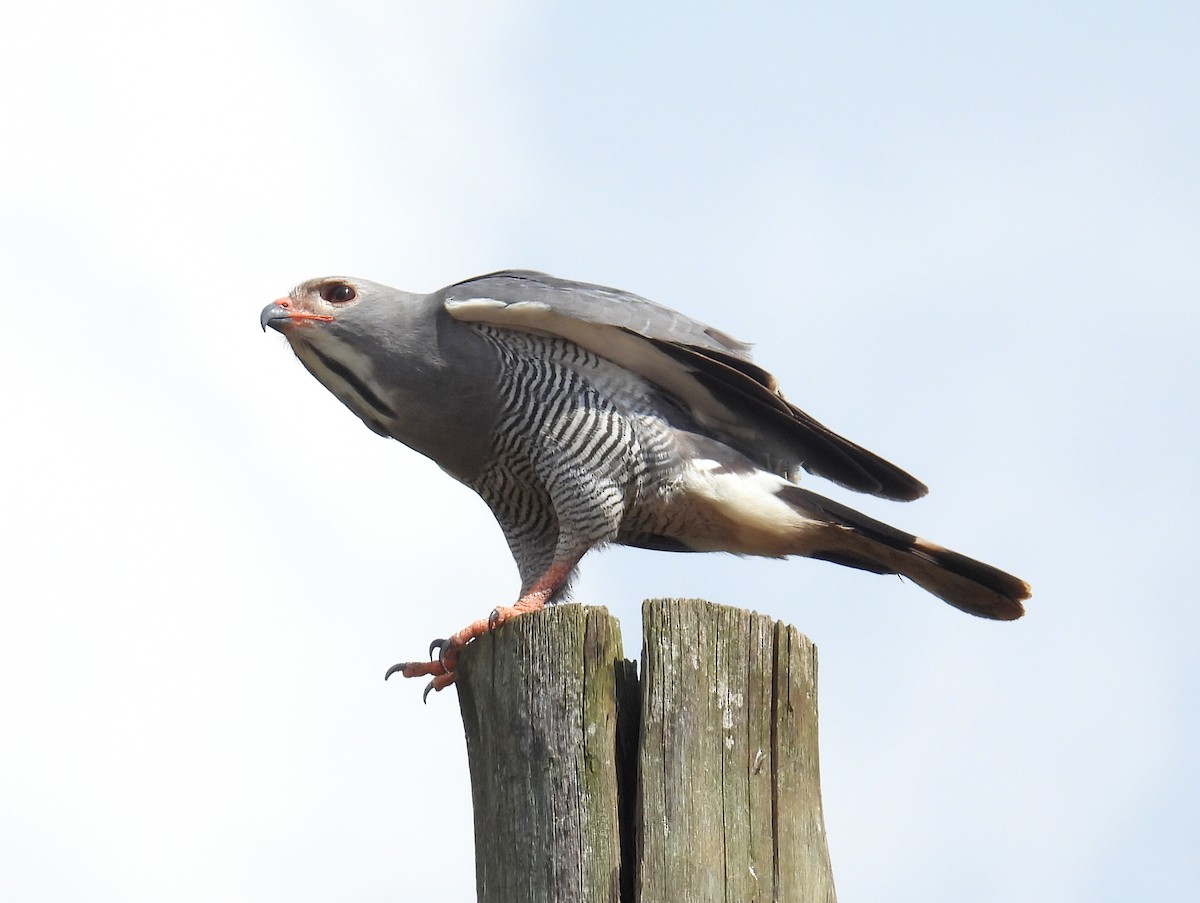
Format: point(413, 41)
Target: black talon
point(399, 666)
point(425, 695)
point(493, 618)
point(439, 645)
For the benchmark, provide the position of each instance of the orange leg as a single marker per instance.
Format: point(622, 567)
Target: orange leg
point(441, 669)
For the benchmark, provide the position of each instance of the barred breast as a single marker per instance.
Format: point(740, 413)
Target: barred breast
point(579, 448)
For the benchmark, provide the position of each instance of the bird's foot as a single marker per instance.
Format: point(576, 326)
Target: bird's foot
point(441, 667)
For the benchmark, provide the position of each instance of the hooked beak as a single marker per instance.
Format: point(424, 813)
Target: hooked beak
point(279, 314)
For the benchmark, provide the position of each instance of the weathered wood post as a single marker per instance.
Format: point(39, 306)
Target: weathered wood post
point(539, 702)
point(700, 783)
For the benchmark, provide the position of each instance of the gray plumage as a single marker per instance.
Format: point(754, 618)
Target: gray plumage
point(583, 415)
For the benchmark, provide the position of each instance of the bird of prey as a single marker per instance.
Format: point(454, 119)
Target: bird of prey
point(584, 415)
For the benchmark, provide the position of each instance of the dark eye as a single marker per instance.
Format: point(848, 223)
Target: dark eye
point(338, 293)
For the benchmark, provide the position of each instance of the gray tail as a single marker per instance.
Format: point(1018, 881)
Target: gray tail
point(858, 541)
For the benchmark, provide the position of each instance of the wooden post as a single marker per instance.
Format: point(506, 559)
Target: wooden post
point(730, 786)
point(539, 706)
point(700, 784)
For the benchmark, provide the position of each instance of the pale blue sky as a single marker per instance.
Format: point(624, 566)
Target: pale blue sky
point(966, 236)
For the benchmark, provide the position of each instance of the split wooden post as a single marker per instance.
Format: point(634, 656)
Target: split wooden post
point(698, 783)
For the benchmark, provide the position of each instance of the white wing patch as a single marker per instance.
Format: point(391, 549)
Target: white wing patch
point(477, 309)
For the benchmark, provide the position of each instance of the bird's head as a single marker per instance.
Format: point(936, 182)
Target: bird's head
point(394, 358)
point(316, 301)
point(335, 309)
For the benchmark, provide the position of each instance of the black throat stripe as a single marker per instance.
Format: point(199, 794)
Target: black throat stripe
point(351, 379)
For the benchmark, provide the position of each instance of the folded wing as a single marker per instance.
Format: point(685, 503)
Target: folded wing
point(709, 373)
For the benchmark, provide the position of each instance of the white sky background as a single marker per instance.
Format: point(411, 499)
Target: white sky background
point(966, 237)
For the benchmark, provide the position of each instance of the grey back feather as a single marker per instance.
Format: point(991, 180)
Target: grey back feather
point(596, 304)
